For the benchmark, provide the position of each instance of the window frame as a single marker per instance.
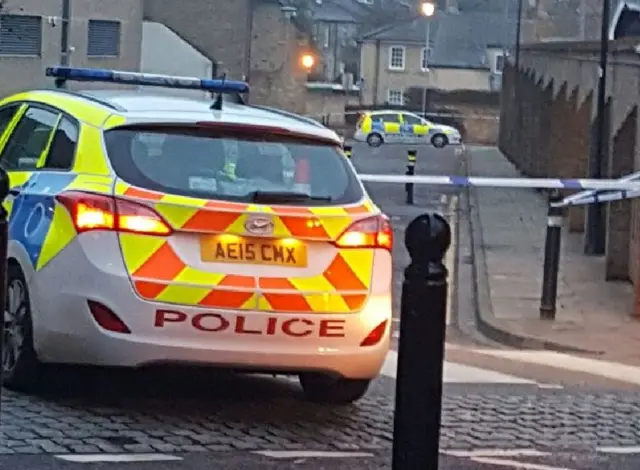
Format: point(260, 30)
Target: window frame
point(424, 61)
point(61, 114)
point(404, 58)
point(38, 46)
point(389, 94)
point(16, 115)
point(496, 61)
point(118, 44)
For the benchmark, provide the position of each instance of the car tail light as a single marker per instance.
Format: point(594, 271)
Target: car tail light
point(373, 232)
point(376, 335)
point(99, 212)
point(106, 318)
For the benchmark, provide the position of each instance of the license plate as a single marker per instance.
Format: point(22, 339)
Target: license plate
point(233, 249)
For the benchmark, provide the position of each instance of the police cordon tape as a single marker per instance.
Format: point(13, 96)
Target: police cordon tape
point(516, 183)
point(593, 197)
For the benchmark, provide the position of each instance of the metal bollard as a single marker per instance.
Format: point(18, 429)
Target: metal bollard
point(411, 170)
point(4, 241)
point(551, 267)
point(416, 427)
point(347, 150)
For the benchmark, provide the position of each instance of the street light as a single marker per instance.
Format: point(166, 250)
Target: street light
point(308, 61)
point(427, 9)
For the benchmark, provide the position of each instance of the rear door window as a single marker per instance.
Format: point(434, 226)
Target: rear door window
point(29, 140)
point(198, 163)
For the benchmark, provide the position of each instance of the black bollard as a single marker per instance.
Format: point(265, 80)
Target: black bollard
point(416, 427)
point(551, 267)
point(4, 242)
point(411, 170)
point(347, 150)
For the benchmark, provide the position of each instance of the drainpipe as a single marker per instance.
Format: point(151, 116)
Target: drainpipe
point(376, 76)
point(249, 44)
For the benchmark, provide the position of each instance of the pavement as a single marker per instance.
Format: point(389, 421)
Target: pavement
point(508, 229)
point(499, 410)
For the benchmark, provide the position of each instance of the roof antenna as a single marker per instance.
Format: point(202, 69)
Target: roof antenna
point(217, 104)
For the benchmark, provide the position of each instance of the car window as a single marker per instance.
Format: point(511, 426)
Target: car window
point(29, 140)
point(390, 117)
point(194, 162)
point(6, 115)
point(63, 145)
point(410, 119)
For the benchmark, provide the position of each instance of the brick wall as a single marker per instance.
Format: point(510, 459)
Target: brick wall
point(552, 96)
point(249, 39)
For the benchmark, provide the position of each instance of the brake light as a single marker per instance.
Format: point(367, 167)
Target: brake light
point(373, 232)
point(99, 212)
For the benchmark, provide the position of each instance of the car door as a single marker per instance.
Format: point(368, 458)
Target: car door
point(415, 129)
point(391, 123)
point(38, 158)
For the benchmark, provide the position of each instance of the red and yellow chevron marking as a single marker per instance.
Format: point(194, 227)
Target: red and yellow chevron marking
point(206, 216)
point(159, 274)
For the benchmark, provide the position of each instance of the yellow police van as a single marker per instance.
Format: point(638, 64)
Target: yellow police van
point(388, 126)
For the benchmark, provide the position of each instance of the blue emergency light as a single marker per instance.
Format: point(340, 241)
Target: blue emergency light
point(214, 85)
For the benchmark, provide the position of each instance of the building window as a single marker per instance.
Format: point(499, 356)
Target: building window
point(103, 38)
point(425, 56)
point(395, 97)
point(396, 57)
point(326, 31)
point(20, 35)
point(499, 63)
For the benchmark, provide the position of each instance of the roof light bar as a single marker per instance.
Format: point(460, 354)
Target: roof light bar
point(215, 85)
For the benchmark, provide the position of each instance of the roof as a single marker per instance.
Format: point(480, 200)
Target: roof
point(458, 40)
point(333, 11)
point(150, 107)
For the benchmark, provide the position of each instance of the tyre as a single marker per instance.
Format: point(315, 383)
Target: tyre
point(325, 389)
point(374, 140)
point(21, 368)
point(439, 141)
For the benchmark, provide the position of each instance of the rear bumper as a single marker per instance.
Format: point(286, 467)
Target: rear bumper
point(66, 332)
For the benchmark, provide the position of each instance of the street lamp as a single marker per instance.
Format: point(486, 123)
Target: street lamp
point(427, 9)
point(596, 229)
point(308, 61)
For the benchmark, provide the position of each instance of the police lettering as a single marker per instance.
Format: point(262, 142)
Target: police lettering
point(257, 326)
point(265, 253)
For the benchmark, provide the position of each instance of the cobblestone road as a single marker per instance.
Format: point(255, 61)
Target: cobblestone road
point(156, 414)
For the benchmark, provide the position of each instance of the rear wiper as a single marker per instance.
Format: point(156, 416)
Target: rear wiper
point(285, 196)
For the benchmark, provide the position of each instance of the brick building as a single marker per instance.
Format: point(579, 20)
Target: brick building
point(252, 39)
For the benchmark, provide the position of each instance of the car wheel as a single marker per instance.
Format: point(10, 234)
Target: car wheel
point(374, 140)
point(320, 388)
point(439, 141)
point(20, 365)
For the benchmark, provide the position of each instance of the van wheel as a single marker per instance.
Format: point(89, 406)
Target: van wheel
point(439, 141)
point(320, 388)
point(20, 365)
point(374, 140)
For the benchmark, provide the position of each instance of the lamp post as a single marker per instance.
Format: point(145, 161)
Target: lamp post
point(595, 236)
point(427, 9)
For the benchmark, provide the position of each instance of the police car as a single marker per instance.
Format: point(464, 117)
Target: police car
point(148, 229)
point(387, 126)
